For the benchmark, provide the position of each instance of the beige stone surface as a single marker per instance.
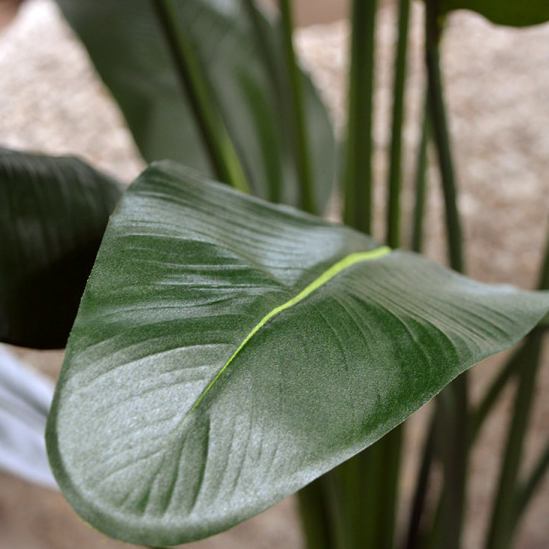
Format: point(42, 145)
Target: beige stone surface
point(498, 90)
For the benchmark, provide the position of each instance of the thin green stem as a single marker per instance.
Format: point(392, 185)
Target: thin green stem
point(510, 498)
point(437, 111)
point(387, 498)
point(453, 440)
point(268, 60)
point(300, 136)
point(222, 154)
point(357, 173)
point(502, 524)
point(394, 184)
point(455, 397)
point(421, 185)
point(532, 483)
point(479, 415)
point(421, 489)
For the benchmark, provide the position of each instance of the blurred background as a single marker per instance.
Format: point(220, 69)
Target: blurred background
point(497, 80)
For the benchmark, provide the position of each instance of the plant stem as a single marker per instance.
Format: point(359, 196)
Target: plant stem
point(300, 137)
point(421, 184)
point(453, 439)
point(502, 524)
point(510, 499)
point(315, 515)
point(357, 176)
point(490, 397)
point(387, 499)
point(218, 144)
point(395, 166)
point(454, 399)
point(442, 138)
point(529, 487)
point(420, 493)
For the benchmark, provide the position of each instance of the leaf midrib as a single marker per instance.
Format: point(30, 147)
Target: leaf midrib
point(343, 264)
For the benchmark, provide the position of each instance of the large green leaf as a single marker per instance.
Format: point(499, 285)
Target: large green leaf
point(227, 352)
point(514, 13)
point(244, 69)
point(53, 212)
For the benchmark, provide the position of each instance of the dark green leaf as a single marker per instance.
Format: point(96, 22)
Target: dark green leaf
point(53, 212)
point(227, 352)
point(514, 13)
point(125, 43)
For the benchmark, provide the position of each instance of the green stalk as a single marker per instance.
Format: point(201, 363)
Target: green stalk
point(268, 61)
point(453, 440)
point(360, 485)
point(530, 486)
point(218, 144)
point(502, 524)
point(455, 398)
point(357, 173)
point(300, 137)
point(394, 184)
point(509, 498)
point(315, 515)
point(437, 113)
point(412, 540)
point(420, 185)
point(491, 396)
point(387, 498)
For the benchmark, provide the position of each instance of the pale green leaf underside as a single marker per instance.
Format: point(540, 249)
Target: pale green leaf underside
point(227, 352)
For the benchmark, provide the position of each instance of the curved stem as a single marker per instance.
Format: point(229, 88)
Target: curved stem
point(502, 524)
point(437, 111)
point(218, 144)
point(532, 483)
point(454, 398)
point(492, 394)
point(510, 499)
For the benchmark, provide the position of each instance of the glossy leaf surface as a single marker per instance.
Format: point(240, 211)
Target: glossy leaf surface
point(245, 72)
point(513, 13)
point(53, 212)
point(227, 352)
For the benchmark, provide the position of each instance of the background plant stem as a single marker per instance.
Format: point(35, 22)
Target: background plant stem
point(357, 173)
point(222, 154)
point(315, 516)
point(437, 111)
point(412, 540)
point(510, 498)
point(421, 184)
point(502, 524)
point(300, 137)
point(395, 164)
point(453, 400)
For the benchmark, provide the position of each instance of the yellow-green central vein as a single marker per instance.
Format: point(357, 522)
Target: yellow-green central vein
point(336, 268)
